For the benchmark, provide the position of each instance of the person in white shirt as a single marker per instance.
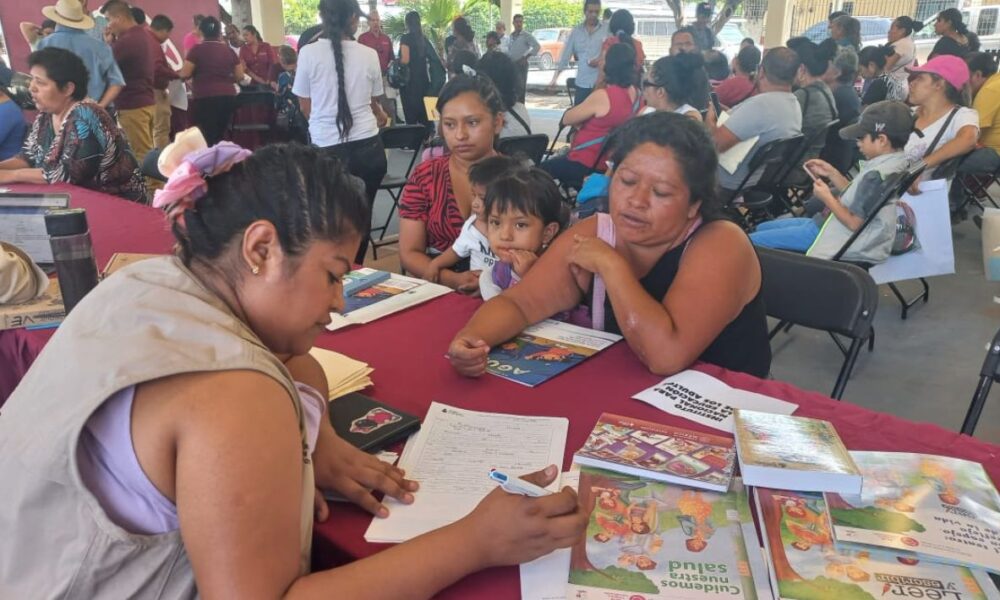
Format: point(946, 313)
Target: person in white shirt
point(339, 85)
point(950, 129)
point(904, 51)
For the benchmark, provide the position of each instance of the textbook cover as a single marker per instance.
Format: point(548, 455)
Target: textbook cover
point(545, 350)
point(361, 279)
point(804, 565)
point(928, 507)
point(786, 452)
point(655, 541)
point(659, 452)
point(396, 293)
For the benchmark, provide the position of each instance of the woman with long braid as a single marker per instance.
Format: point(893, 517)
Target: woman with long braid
point(339, 83)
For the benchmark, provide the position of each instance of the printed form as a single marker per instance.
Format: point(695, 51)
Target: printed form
point(451, 456)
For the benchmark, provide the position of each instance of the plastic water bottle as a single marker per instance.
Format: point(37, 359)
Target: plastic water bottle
point(72, 253)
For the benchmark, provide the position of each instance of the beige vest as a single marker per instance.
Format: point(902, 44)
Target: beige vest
point(150, 320)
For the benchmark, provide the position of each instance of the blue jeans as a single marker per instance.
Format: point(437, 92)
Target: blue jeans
point(786, 234)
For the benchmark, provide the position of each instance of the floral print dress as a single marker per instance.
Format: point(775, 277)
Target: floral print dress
point(90, 151)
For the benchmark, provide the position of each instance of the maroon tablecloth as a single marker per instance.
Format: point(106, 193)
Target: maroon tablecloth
point(407, 352)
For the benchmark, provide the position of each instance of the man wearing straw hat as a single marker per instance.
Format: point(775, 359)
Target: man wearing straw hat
point(72, 24)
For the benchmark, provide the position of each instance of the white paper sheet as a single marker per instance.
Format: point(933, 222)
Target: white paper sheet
point(451, 456)
point(545, 577)
point(706, 400)
point(936, 254)
point(731, 159)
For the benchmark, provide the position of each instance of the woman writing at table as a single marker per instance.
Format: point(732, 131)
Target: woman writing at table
point(438, 198)
point(679, 283)
point(177, 453)
point(73, 140)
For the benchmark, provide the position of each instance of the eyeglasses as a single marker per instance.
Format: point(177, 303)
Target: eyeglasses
point(647, 83)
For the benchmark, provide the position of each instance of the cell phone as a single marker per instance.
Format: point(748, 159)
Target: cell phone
point(715, 103)
point(809, 173)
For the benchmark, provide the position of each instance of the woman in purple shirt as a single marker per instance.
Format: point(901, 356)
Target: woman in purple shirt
point(213, 69)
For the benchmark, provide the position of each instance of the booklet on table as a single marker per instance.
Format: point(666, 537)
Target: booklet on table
point(932, 507)
point(396, 293)
point(803, 562)
point(545, 350)
point(659, 452)
point(658, 541)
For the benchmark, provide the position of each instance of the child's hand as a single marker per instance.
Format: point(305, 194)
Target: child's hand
point(510, 529)
point(468, 283)
point(522, 260)
point(820, 168)
point(822, 191)
point(468, 355)
point(433, 273)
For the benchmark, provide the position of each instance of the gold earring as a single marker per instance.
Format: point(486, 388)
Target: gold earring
point(255, 269)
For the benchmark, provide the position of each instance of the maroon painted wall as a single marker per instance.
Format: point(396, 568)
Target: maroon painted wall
point(13, 12)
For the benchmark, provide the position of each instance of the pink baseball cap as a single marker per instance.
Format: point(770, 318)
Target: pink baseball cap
point(950, 68)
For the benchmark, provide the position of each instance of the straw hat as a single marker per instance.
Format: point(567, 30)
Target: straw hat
point(69, 13)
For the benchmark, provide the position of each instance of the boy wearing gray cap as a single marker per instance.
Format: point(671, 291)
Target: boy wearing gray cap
point(881, 133)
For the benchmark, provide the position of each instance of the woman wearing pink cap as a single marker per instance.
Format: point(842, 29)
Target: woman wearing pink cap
point(940, 94)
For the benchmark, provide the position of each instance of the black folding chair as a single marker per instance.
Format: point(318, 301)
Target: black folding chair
point(987, 375)
point(794, 185)
point(571, 89)
point(766, 167)
point(400, 137)
point(530, 146)
point(825, 295)
point(904, 181)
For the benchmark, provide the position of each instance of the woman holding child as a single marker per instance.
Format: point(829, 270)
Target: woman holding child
point(187, 462)
point(438, 199)
point(679, 283)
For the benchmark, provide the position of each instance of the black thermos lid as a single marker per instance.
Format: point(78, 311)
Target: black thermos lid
point(66, 221)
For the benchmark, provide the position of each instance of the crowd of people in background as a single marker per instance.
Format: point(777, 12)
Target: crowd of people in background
point(345, 82)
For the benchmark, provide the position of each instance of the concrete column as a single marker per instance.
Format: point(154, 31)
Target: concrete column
point(509, 8)
point(777, 22)
point(269, 19)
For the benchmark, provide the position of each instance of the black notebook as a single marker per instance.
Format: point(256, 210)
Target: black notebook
point(368, 424)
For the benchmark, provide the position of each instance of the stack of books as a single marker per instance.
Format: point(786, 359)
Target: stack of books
point(668, 518)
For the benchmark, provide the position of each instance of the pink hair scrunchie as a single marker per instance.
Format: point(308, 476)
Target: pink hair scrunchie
point(187, 183)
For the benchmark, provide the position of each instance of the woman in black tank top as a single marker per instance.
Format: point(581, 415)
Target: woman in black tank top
point(680, 283)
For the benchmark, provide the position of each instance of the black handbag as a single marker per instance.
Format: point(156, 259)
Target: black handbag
point(398, 74)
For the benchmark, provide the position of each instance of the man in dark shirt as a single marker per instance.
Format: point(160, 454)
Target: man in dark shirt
point(702, 32)
point(160, 28)
point(378, 41)
point(135, 52)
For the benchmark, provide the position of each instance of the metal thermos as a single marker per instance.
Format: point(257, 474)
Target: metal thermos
point(72, 253)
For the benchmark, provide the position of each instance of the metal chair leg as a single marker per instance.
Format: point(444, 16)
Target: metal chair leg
point(907, 303)
point(977, 404)
point(846, 369)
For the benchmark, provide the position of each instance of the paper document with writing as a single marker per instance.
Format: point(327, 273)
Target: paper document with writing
point(708, 401)
point(452, 456)
point(730, 159)
point(397, 293)
point(545, 577)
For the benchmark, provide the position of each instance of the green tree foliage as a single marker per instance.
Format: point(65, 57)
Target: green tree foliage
point(435, 18)
point(300, 15)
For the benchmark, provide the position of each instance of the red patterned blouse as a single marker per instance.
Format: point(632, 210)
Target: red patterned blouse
point(428, 197)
